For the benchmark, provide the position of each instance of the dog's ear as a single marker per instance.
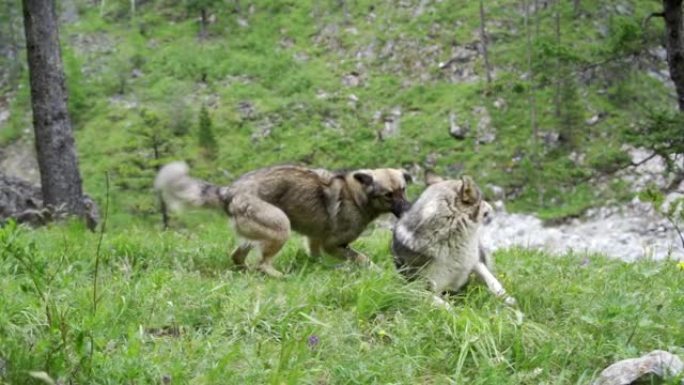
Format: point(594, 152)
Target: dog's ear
point(469, 193)
point(432, 178)
point(407, 177)
point(363, 178)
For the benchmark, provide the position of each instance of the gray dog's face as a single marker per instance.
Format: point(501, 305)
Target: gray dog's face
point(466, 198)
point(385, 189)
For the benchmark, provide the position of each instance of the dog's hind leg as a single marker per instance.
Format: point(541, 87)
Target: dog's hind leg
point(493, 284)
point(265, 225)
point(269, 248)
point(240, 254)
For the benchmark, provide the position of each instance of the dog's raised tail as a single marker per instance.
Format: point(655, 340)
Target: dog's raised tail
point(178, 188)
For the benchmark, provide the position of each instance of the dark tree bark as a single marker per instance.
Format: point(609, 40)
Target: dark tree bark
point(672, 12)
point(57, 161)
point(203, 23)
point(483, 38)
point(557, 96)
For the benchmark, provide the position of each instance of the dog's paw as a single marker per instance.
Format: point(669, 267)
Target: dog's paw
point(270, 271)
point(441, 303)
point(362, 259)
point(510, 301)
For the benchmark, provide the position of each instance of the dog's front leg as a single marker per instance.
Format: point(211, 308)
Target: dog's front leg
point(315, 246)
point(346, 252)
point(493, 284)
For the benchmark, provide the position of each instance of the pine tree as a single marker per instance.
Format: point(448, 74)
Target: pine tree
point(206, 135)
point(571, 113)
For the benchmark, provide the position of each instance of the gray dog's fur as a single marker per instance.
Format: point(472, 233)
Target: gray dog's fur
point(331, 209)
point(438, 238)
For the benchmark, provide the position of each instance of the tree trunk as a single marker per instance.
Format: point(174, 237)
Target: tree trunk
point(156, 144)
point(533, 104)
point(557, 97)
point(675, 51)
point(57, 161)
point(483, 37)
point(203, 23)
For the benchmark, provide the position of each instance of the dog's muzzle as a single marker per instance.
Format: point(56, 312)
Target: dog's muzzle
point(400, 207)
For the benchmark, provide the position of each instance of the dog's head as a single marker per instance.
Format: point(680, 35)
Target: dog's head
point(466, 197)
point(385, 189)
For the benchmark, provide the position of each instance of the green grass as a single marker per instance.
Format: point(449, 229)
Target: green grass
point(170, 304)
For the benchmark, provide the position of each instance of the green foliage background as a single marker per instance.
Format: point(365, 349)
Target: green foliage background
point(271, 77)
point(270, 73)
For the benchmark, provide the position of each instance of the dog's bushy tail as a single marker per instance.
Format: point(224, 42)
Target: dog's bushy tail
point(179, 189)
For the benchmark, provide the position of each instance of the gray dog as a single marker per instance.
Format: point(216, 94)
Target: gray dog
point(437, 240)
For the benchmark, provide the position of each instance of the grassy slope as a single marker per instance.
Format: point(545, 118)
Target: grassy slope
point(169, 304)
point(259, 64)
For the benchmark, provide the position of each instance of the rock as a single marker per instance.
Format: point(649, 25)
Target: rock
point(497, 192)
point(331, 124)
point(485, 132)
point(420, 9)
point(352, 79)
point(352, 31)
point(4, 116)
point(659, 53)
point(650, 170)
point(301, 57)
point(659, 363)
point(500, 104)
point(263, 129)
point(628, 232)
point(286, 42)
point(460, 67)
point(246, 109)
point(454, 170)
point(415, 171)
point(623, 9)
point(458, 131)
point(551, 138)
point(136, 73)
point(23, 201)
point(19, 161)
point(577, 157)
point(674, 202)
point(390, 123)
point(593, 120)
point(352, 101)
point(322, 95)
point(242, 22)
point(459, 54)
point(431, 160)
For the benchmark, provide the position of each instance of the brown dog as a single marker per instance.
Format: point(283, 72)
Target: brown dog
point(331, 209)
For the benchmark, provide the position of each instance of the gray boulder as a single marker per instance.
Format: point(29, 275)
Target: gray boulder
point(23, 201)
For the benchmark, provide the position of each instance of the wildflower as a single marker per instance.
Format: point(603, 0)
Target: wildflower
point(680, 265)
point(313, 341)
